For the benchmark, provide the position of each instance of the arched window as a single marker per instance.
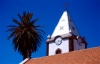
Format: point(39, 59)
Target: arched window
point(58, 51)
point(73, 28)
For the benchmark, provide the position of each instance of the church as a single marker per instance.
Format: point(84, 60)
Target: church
point(65, 37)
point(66, 46)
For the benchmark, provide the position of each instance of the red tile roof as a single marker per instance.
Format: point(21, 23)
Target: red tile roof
point(85, 56)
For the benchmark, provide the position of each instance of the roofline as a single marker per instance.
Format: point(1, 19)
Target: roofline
point(67, 52)
point(24, 61)
point(27, 59)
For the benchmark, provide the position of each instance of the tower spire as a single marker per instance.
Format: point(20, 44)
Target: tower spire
point(65, 26)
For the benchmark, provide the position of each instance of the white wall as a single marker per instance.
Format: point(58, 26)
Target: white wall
point(77, 46)
point(64, 46)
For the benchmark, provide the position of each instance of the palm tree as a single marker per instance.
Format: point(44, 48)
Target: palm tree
point(27, 36)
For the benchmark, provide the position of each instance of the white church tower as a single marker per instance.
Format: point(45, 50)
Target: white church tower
point(65, 37)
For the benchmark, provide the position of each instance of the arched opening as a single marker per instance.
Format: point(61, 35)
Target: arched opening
point(58, 51)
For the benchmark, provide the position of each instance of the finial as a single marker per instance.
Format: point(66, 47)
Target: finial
point(49, 37)
point(70, 31)
point(66, 6)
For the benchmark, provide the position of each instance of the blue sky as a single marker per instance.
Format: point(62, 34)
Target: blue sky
point(84, 13)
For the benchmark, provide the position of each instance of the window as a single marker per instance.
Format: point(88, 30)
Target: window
point(73, 28)
point(58, 51)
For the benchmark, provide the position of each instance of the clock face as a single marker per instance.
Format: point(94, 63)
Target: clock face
point(58, 41)
point(79, 41)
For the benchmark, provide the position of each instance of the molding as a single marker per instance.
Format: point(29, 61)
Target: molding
point(63, 37)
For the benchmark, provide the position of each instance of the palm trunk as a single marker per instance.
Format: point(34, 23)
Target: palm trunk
point(27, 55)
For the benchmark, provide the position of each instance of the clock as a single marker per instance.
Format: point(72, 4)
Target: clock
point(58, 41)
point(79, 41)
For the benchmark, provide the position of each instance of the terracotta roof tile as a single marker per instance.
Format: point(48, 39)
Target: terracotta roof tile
point(85, 56)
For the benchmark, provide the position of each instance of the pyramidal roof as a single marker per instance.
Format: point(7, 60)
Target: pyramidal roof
point(65, 26)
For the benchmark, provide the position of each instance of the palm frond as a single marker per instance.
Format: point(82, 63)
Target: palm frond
point(38, 26)
point(40, 31)
point(24, 13)
point(11, 29)
point(33, 21)
point(12, 34)
point(12, 26)
point(19, 16)
point(30, 15)
point(15, 21)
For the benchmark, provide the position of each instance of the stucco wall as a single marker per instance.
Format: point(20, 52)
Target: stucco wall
point(77, 46)
point(64, 46)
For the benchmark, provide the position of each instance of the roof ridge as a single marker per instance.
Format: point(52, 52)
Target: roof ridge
point(85, 49)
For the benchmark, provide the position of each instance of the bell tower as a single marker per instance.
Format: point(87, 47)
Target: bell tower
point(65, 37)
